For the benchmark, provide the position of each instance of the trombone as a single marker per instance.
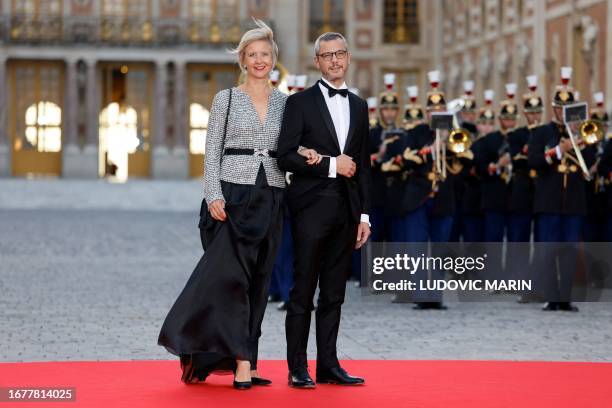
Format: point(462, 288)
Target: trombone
point(591, 132)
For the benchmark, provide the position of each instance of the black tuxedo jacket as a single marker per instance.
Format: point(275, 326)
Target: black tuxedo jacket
point(307, 122)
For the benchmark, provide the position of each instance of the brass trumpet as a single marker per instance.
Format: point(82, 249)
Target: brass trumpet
point(591, 132)
point(459, 141)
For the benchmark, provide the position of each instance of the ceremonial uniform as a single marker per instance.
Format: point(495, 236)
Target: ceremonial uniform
point(559, 200)
point(594, 229)
point(429, 197)
point(605, 173)
point(461, 180)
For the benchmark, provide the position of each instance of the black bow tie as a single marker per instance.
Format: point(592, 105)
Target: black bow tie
point(334, 91)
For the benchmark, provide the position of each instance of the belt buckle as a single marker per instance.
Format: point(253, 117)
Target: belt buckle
point(261, 152)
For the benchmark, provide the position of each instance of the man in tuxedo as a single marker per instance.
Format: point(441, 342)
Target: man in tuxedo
point(329, 201)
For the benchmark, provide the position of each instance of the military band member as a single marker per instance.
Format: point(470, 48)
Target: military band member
point(469, 110)
point(560, 195)
point(381, 135)
point(495, 167)
point(428, 200)
point(595, 220)
point(413, 111)
point(473, 220)
point(394, 168)
point(604, 170)
point(372, 113)
point(467, 121)
point(520, 206)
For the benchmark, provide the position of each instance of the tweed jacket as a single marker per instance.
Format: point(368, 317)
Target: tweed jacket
point(244, 131)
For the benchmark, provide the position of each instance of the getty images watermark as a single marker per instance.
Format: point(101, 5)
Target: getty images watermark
point(480, 271)
point(458, 265)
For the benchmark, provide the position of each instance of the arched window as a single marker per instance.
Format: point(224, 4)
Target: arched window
point(43, 129)
point(198, 123)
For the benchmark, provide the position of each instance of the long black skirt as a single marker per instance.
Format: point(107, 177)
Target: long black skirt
point(217, 317)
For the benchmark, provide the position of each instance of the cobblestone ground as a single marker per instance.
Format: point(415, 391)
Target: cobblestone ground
point(88, 271)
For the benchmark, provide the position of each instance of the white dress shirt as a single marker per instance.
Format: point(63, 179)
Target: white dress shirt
point(340, 113)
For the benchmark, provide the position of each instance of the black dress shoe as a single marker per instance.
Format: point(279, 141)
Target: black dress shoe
point(300, 378)
point(421, 306)
point(550, 307)
point(567, 307)
point(337, 375)
point(429, 305)
point(242, 385)
point(282, 306)
point(260, 381)
point(274, 298)
point(437, 306)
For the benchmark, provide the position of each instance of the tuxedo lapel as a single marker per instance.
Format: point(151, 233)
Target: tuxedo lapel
point(320, 101)
point(352, 119)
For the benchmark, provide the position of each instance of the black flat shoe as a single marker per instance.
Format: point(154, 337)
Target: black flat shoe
point(260, 381)
point(300, 379)
point(242, 385)
point(337, 375)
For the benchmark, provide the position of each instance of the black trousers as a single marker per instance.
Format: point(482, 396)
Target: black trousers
point(324, 236)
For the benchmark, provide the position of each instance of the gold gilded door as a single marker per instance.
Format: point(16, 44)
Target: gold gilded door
point(35, 117)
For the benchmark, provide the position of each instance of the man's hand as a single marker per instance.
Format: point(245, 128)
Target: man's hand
point(565, 144)
point(504, 160)
point(363, 233)
point(311, 155)
point(217, 210)
point(345, 166)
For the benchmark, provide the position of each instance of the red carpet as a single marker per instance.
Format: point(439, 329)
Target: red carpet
point(389, 384)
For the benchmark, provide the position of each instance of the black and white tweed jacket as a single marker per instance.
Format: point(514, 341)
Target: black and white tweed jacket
point(244, 131)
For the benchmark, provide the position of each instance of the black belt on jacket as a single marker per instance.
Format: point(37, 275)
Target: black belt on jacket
point(250, 152)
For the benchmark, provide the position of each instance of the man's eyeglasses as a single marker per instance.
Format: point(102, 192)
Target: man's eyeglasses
point(328, 56)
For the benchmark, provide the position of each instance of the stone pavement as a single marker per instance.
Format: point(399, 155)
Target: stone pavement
point(89, 269)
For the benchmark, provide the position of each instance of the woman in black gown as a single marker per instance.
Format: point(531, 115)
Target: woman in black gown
point(215, 323)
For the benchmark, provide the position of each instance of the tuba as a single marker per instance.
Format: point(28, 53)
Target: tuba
point(591, 132)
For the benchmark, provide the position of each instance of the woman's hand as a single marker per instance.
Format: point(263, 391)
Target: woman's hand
point(217, 210)
point(312, 157)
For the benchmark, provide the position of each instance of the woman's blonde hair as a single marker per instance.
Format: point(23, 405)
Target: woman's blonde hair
point(262, 32)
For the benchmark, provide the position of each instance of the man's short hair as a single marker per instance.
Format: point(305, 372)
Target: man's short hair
point(329, 36)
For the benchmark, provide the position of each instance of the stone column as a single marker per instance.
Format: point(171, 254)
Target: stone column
point(83, 163)
point(161, 91)
point(71, 104)
point(169, 162)
point(5, 147)
point(180, 106)
point(70, 148)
